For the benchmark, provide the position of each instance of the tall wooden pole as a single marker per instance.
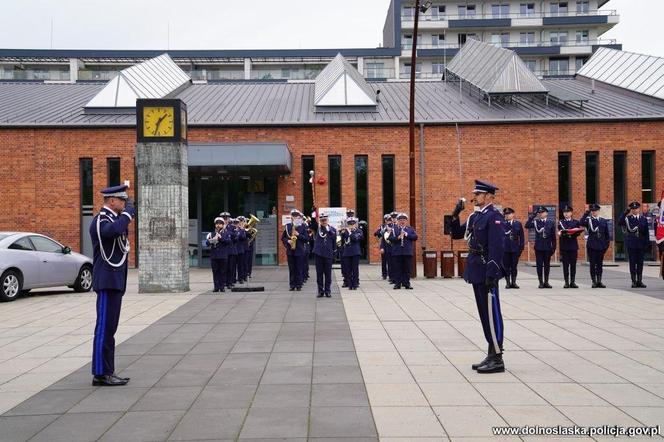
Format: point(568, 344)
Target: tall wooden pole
point(411, 146)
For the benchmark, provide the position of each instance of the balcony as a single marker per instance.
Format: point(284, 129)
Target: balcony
point(378, 73)
point(512, 19)
point(94, 75)
point(35, 75)
point(583, 46)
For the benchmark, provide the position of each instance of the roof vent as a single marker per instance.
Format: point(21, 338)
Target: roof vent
point(158, 77)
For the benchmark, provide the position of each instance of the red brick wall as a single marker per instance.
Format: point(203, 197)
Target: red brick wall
point(39, 174)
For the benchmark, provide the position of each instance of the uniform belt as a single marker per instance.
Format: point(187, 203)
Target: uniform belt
point(479, 252)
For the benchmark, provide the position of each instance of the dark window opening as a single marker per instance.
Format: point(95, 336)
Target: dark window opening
point(388, 183)
point(362, 197)
point(619, 199)
point(592, 177)
point(564, 179)
point(307, 191)
point(648, 176)
point(113, 165)
point(334, 165)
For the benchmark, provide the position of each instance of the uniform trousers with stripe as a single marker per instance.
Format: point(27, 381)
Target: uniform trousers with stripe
point(596, 259)
point(636, 257)
point(488, 307)
point(511, 263)
point(109, 304)
point(543, 261)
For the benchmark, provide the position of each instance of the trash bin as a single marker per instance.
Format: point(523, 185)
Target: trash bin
point(447, 264)
point(462, 257)
point(430, 260)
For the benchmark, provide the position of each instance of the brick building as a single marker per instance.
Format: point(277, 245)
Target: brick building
point(596, 143)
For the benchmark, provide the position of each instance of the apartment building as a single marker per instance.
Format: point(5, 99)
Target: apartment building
point(553, 37)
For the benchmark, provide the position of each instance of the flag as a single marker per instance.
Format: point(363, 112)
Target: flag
point(659, 232)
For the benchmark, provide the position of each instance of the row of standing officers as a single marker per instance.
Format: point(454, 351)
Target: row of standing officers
point(231, 252)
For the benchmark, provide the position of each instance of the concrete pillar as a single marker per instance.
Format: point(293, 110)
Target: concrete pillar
point(73, 69)
point(396, 67)
point(360, 65)
point(163, 211)
point(247, 68)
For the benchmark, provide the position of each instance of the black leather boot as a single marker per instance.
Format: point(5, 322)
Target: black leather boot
point(108, 380)
point(599, 282)
point(594, 281)
point(489, 354)
point(514, 286)
point(495, 364)
point(634, 284)
point(639, 282)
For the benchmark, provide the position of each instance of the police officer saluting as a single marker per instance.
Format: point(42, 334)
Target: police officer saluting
point(545, 244)
point(325, 243)
point(514, 243)
point(569, 230)
point(108, 231)
point(637, 240)
point(599, 239)
point(484, 232)
point(219, 242)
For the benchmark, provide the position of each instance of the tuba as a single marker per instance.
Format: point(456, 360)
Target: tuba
point(251, 229)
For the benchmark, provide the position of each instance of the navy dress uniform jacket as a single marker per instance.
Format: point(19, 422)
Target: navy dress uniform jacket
point(568, 242)
point(637, 235)
point(352, 242)
point(514, 237)
point(599, 234)
point(486, 244)
point(302, 239)
point(325, 241)
point(407, 248)
point(111, 227)
point(545, 234)
point(221, 248)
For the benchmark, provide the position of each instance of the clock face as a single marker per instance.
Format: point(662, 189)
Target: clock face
point(158, 121)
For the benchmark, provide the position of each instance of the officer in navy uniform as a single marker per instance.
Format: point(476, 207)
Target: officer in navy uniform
point(391, 266)
point(637, 241)
point(484, 232)
point(108, 232)
point(232, 253)
point(350, 213)
point(545, 244)
point(569, 230)
point(402, 238)
point(351, 238)
point(242, 248)
point(296, 228)
point(219, 242)
point(325, 244)
point(599, 240)
point(514, 243)
point(384, 257)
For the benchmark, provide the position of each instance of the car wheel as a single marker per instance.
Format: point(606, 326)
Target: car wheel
point(10, 285)
point(84, 281)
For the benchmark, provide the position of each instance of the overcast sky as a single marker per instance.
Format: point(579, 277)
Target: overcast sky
point(257, 24)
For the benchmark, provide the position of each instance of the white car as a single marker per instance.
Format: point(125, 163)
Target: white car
point(30, 260)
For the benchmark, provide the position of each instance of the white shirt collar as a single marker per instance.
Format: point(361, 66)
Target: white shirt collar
point(485, 208)
point(110, 210)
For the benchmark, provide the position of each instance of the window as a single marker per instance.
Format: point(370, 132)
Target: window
point(619, 197)
point(408, 12)
point(580, 61)
point(113, 170)
point(437, 40)
point(559, 66)
point(582, 6)
point(648, 176)
point(582, 36)
point(500, 39)
point(307, 193)
point(45, 245)
point(527, 38)
point(527, 9)
point(361, 196)
point(564, 179)
point(559, 8)
point(334, 165)
point(376, 70)
point(592, 177)
point(388, 183)
point(22, 244)
point(500, 10)
point(406, 70)
point(437, 68)
point(464, 37)
point(86, 182)
point(408, 40)
point(466, 10)
point(558, 37)
point(531, 64)
point(438, 12)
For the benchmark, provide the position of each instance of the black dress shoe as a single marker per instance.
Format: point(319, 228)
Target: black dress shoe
point(384, 277)
point(107, 381)
point(408, 287)
point(547, 285)
point(508, 286)
point(119, 377)
point(344, 285)
point(328, 295)
point(479, 364)
point(298, 288)
point(397, 286)
point(540, 286)
point(640, 285)
point(495, 364)
point(291, 289)
point(320, 295)
point(514, 286)
point(573, 285)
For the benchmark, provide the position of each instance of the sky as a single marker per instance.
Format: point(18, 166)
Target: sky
point(257, 24)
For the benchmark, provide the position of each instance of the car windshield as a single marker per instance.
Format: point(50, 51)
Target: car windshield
point(3, 236)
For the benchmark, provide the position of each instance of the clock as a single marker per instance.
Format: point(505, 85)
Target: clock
point(161, 120)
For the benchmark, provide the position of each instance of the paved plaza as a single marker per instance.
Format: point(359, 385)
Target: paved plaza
point(367, 365)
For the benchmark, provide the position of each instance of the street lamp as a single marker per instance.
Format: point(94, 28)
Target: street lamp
point(411, 157)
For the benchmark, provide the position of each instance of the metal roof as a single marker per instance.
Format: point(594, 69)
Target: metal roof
point(291, 104)
point(158, 77)
point(494, 70)
point(636, 72)
point(340, 84)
